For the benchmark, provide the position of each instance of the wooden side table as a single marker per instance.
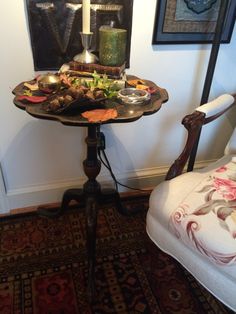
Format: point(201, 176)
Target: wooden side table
point(91, 194)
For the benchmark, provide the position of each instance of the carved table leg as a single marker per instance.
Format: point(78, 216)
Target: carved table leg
point(111, 195)
point(50, 213)
point(92, 190)
point(68, 196)
point(72, 194)
point(92, 196)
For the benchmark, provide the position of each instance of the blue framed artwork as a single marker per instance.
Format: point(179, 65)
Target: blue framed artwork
point(191, 21)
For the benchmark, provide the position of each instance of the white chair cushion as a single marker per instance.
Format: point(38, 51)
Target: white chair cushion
point(193, 218)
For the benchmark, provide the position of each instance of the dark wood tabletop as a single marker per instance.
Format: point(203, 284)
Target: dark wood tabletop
point(126, 113)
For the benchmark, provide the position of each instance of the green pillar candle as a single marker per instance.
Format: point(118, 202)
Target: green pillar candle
point(112, 46)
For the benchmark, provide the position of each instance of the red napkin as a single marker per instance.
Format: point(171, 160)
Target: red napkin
point(33, 99)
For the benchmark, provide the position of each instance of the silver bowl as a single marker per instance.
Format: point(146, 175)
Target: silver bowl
point(49, 83)
point(133, 96)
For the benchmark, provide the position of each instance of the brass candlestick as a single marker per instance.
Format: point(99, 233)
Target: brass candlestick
point(86, 56)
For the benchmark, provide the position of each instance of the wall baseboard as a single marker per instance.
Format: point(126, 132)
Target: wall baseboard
point(51, 193)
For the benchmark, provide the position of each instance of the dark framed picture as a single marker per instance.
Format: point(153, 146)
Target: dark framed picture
point(190, 21)
point(55, 28)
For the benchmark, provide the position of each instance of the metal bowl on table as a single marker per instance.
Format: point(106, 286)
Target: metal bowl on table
point(49, 83)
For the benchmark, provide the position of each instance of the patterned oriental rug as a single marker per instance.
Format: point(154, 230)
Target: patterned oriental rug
point(43, 267)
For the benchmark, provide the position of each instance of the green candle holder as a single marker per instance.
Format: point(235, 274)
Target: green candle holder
point(112, 46)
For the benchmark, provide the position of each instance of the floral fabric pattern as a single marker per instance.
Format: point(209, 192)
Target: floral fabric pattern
point(206, 219)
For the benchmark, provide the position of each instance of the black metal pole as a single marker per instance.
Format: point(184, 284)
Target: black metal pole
point(210, 70)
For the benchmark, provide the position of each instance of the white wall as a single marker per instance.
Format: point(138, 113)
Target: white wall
point(40, 159)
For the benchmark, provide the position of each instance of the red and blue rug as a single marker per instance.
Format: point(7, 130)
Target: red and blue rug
point(43, 268)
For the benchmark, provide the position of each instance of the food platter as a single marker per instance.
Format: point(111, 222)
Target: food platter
point(72, 92)
point(75, 95)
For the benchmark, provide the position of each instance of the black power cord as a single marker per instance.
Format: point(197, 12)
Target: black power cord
point(106, 163)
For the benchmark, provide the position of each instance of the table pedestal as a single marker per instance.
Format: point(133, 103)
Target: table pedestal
point(91, 195)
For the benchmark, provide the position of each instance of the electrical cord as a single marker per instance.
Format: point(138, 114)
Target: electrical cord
point(109, 168)
point(106, 163)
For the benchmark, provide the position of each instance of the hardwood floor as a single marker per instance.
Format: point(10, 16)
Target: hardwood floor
point(53, 205)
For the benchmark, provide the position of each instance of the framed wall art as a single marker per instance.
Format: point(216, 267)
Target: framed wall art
point(55, 28)
point(190, 21)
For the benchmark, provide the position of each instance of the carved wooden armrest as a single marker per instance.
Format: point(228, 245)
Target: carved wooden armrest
point(193, 123)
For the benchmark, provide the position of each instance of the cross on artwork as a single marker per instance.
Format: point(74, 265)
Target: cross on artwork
point(55, 28)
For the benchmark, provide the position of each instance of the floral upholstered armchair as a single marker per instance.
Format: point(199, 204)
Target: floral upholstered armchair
point(192, 216)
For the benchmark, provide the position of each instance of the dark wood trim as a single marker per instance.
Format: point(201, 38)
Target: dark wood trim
point(193, 123)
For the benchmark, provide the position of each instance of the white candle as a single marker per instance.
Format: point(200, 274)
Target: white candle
point(86, 16)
